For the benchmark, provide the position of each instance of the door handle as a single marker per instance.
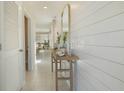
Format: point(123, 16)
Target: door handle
point(21, 50)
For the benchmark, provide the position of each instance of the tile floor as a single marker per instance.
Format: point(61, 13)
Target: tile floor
point(41, 78)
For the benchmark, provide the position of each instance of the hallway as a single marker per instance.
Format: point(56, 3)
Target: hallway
point(41, 78)
point(87, 35)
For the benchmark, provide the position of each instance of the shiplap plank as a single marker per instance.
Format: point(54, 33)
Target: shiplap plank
point(112, 24)
point(108, 67)
point(106, 13)
point(97, 84)
point(112, 39)
point(108, 53)
point(87, 9)
point(109, 81)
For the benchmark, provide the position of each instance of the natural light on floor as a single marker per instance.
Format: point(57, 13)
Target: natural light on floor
point(38, 61)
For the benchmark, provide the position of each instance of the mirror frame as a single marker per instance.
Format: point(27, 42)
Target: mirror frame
point(69, 26)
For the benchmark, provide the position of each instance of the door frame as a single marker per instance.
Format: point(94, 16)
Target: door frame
point(26, 36)
point(29, 38)
point(21, 13)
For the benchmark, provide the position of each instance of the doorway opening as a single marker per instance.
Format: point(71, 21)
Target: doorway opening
point(26, 31)
point(41, 44)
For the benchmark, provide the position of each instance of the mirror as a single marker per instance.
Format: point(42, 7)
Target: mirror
point(65, 24)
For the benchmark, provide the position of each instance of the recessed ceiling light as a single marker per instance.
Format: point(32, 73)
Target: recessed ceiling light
point(45, 7)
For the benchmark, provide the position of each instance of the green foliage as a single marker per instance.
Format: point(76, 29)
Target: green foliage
point(59, 37)
point(65, 37)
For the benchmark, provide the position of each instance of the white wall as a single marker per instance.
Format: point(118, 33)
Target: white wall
point(41, 37)
point(21, 13)
point(51, 36)
point(98, 39)
point(54, 28)
point(32, 45)
point(53, 33)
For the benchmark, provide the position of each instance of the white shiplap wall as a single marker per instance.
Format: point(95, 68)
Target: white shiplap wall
point(98, 39)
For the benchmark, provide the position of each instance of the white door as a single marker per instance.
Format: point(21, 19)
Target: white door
point(2, 84)
point(0, 43)
point(10, 47)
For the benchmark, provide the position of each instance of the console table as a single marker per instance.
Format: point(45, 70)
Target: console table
point(57, 60)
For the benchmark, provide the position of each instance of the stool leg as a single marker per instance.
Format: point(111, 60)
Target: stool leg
point(52, 64)
point(71, 76)
point(60, 64)
point(56, 66)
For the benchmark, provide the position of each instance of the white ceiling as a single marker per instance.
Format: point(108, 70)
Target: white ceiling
point(43, 17)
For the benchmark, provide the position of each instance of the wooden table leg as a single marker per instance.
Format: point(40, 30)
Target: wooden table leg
point(60, 64)
point(56, 67)
point(52, 64)
point(71, 76)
